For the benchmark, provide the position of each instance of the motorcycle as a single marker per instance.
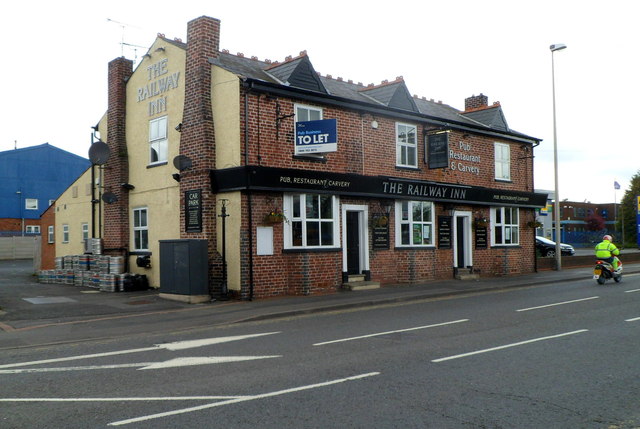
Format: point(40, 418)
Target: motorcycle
point(604, 271)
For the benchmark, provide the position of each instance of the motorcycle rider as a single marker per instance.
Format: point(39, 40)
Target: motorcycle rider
point(608, 252)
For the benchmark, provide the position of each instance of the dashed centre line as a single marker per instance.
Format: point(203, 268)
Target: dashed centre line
point(506, 346)
point(391, 332)
point(558, 303)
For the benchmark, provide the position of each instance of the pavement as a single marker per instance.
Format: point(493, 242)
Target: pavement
point(37, 314)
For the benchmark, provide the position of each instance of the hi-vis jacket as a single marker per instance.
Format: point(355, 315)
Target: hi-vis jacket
point(606, 249)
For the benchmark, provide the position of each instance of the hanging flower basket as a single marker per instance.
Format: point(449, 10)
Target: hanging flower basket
point(380, 221)
point(274, 216)
point(534, 224)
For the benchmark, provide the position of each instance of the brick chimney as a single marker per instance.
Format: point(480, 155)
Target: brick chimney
point(197, 138)
point(476, 102)
point(116, 215)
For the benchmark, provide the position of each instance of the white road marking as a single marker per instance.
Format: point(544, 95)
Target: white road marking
point(633, 320)
point(172, 363)
point(242, 399)
point(391, 332)
point(152, 398)
point(506, 346)
point(632, 290)
point(558, 303)
point(179, 345)
point(190, 361)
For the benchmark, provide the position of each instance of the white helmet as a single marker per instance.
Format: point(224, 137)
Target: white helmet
point(607, 237)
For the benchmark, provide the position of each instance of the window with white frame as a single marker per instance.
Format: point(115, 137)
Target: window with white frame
point(65, 233)
point(506, 226)
point(158, 144)
point(31, 203)
point(406, 145)
point(51, 234)
point(312, 221)
point(502, 161)
point(140, 229)
point(32, 229)
point(307, 113)
point(414, 223)
point(85, 232)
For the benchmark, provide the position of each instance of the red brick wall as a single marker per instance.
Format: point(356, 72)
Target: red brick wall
point(9, 224)
point(47, 219)
point(369, 151)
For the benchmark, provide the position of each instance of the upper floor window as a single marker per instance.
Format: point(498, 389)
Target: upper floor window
point(406, 145)
point(85, 232)
point(158, 144)
point(31, 203)
point(140, 229)
point(506, 226)
point(414, 223)
point(312, 221)
point(32, 229)
point(502, 161)
point(65, 233)
point(50, 234)
point(307, 113)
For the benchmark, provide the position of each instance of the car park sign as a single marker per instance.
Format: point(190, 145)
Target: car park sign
point(316, 137)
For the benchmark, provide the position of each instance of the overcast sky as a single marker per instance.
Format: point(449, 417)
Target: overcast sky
point(55, 56)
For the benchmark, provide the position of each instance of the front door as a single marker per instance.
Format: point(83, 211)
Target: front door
point(355, 239)
point(462, 256)
point(353, 243)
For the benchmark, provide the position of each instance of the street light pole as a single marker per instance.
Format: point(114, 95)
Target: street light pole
point(556, 206)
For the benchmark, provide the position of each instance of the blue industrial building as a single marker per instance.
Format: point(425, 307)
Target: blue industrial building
point(30, 179)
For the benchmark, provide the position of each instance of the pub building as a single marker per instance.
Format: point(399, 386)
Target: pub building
point(299, 183)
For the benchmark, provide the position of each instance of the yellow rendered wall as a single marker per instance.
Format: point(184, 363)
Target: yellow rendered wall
point(225, 95)
point(155, 188)
point(73, 208)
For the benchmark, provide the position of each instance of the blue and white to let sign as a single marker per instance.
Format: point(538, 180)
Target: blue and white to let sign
point(316, 137)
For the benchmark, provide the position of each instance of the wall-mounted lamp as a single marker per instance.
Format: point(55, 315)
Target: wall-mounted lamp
point(127, 186)
point(179, 127)
point(385, 205)
point(176, 176)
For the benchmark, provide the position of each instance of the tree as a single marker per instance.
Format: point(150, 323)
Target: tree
point(628, 207)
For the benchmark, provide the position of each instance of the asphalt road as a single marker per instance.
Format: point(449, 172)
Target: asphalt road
point(551, 356)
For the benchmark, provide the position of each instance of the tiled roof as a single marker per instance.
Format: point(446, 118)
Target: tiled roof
point(298, 72)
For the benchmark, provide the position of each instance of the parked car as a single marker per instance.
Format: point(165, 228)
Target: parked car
point(548, 248)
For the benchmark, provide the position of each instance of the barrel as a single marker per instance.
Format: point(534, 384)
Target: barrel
point(108, 282)
point(116, 264)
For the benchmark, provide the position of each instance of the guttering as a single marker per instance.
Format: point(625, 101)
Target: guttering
point(288, 91)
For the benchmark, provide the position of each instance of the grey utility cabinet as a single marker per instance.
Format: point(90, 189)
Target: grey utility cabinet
point(184, 267)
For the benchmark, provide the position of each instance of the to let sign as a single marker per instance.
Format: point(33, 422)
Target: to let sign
point(316, 137)
point(193, 210)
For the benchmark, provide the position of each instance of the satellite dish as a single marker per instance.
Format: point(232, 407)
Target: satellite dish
point(182, 162)
point(109, 197)
point(99, 153)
